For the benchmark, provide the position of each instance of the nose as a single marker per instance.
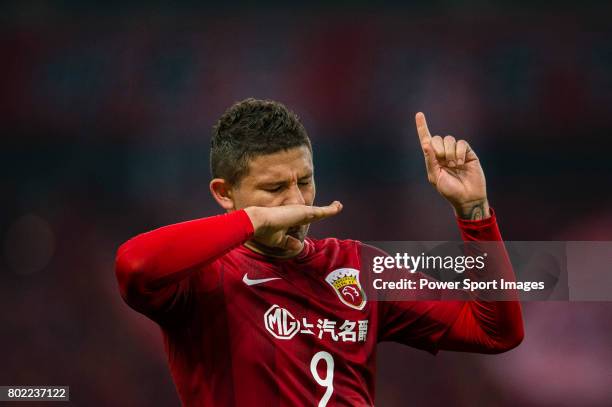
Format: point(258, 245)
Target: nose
point(294, 195)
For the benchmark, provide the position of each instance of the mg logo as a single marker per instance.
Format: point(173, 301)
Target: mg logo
point(280, 323)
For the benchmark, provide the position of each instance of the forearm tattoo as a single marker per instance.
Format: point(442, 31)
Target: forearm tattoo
point(476, 212)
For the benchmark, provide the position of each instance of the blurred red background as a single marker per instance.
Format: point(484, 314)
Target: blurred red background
point(106, 114)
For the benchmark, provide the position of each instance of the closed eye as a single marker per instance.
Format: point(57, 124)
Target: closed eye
point(272, 190)
point(305, 180)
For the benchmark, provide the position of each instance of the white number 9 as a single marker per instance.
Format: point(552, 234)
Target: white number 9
point(328, 381)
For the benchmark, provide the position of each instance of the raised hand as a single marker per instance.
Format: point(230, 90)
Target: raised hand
point(454, 169)
point(272, 224)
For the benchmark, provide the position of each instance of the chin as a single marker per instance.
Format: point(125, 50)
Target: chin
point(278, 252)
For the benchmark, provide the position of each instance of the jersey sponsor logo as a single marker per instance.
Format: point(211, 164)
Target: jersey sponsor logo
point(248, 281)
point(345, 282)
point(283, 325)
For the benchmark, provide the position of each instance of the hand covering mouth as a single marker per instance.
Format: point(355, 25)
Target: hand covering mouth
point(296, 232)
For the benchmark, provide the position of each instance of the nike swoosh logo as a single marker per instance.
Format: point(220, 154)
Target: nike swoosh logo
point(248, 281)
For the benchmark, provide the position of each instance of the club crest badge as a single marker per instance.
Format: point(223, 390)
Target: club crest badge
point(345, 283)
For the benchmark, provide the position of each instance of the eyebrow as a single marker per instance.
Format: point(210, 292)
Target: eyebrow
point(282, 182)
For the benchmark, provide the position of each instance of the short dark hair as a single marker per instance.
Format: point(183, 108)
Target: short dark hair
point(250, 128)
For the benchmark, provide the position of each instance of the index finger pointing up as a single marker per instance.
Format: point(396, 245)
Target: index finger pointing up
point(422, 129)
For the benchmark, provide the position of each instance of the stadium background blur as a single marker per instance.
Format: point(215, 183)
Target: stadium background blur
point(106, 114)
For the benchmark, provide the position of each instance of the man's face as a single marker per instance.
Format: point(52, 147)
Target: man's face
point(282, 178)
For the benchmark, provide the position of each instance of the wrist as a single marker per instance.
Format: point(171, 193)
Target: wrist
point(473, 210)
point(254, 214)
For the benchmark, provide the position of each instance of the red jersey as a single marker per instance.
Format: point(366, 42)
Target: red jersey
point(241, 328)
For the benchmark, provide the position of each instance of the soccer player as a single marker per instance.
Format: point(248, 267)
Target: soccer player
point(250, 307)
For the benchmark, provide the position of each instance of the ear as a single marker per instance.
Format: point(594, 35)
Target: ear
point(222, 192)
